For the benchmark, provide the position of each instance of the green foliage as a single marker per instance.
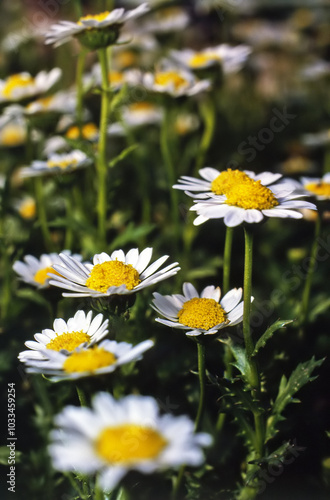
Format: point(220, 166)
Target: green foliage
point(277, 325)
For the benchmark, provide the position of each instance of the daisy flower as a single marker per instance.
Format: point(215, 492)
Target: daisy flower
point(94, 31)
point(166, 20)
point(99, 359)
point(23, 85)
point(36, 271)
point(57, 163)
point(215, 182)
point(142, 113)
point(231, 58)
point(26, 207)
point(99, 440)
point(238, 197)
point(203, 314)
point(117, 79)
point(111, 274)
point(61, 102)
point(318, 187)
point(89, 131)
point(174, 81)
point(67, 336)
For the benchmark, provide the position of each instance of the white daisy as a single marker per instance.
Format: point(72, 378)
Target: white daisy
point(215, 182)
point(36, 271)
point(203, 314)
point(142, 113)
point(67, 336)
point(87, 25)
point(111, 274)
point(166, 20)
point(99, 440)
point(26, 207)
point(99, 359)
point(116, 78)
point(61, 102)
point(175, 81)
point(23, 85)
point(318, 187)
point(57, 163)
point(230, 58)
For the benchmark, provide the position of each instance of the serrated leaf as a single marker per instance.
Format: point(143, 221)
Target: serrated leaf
point(122, 155)
point(287, 389)
point(241, 361)
point(277, 325)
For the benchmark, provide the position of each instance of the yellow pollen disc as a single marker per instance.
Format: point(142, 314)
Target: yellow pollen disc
point(201, 59)
point(112, 273)
point(227, 179)
point(88, 360)
point(68, 341)
point(126, 58)
point(251, 195)
point(28, 209)
point(13, 135)
point(319, 188)
point(137, 107)
point(16, 81)
point(63, 164)
point(41, 275)
point(129, 443)
point(201, 313)
point(115, 77)
point(89, 131)
point(97, 17)
point(165, 78)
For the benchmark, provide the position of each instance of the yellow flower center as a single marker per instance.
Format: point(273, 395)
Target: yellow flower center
point(16, 81)
point(129, 443)
point(89, 131)
point(13, 135)
point(63, 164)
point(200, 59)
point(41, 276)
point(165, 78)
point(88, 360)
point(112, 273)
point(28, 209)
point(97, 17)
point(227, 179)
point(319, 188)
point(251, 195)
point(137, 107)
point(126, 58)
point(201, 313)
point(44, 102)
point(168, 13)
point(115, 77)
point(68, 341)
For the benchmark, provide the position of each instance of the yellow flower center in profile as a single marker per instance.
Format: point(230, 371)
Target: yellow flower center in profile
point(13, 135)
point(227, 179)
point(112, 273)
point(68, 341)
point(97, 17)
point(165, 78)
point(129, 443)
point(251, 195)
point(126, 58)
point(115, 77)
point(319, 188)
point(168, 13)
point(28, 209)
point(63, 164)
point(89, 131)
point(142, 106)
point(200, 59)
point(88, 360)
point(16, 81)
point(201, 313)
point(41, 276)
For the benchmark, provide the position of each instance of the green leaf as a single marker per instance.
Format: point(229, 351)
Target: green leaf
point(319, 309)
point(32, 295)
point(269, 333)
point(122, 155)
point(287, 389)
point(132, 233)
point(4, 455)
point(241, 360)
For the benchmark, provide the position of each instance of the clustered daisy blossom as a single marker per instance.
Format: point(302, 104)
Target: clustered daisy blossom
point(57, 163)
point(176, 81)
point(111, 274)
point(238, 196)
point(37, 272)
point(65, 30)
point(23, 85)
point(114, 437)
point(200, 314)
point(85, 361)
point(67, 336)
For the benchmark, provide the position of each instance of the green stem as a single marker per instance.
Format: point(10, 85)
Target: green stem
point(201, 377)
point(227, 259)
point(81, 396)
point(310, 271)
point(177, 483)
point(102, 146)
point(42, 214)
point(168, 161)
point(75, 485)
point(80, 89)
point(98, 492)
point(78, 9)
point(208, 113)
